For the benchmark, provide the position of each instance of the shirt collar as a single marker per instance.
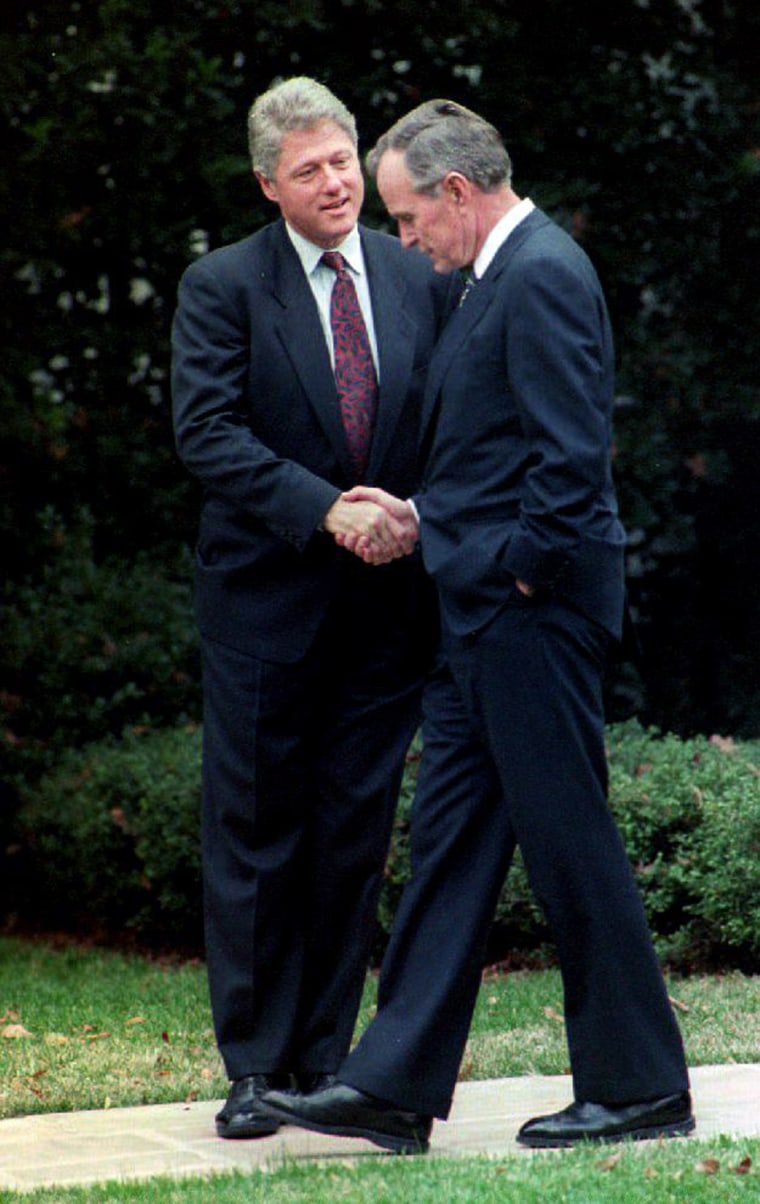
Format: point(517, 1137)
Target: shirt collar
point(500, 233)
point(310, 254)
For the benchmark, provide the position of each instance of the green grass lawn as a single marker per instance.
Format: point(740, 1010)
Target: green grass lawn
point(91, 1028)
point(677, 1172)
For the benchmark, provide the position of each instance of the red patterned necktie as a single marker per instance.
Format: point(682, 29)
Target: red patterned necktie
point(355, 373)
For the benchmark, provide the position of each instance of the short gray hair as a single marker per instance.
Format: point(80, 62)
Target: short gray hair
point(440, 136)
point(294, 104)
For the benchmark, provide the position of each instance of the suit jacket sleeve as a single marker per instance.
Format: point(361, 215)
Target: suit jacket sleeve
point(211, 349)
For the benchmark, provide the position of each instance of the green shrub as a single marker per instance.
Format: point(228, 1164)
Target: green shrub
point(111, 837)
point(657, 810)
point(689, 812)
point(110, 840)
point(95, 645)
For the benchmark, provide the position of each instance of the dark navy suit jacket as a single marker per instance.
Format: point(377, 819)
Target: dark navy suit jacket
point(257, 422)
point(517, 425)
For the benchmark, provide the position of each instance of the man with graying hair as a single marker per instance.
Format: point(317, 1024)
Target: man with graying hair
point(519, 530)
point(299, 359)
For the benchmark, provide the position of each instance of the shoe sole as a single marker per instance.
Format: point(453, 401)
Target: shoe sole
point(246, 1132)
point(386, 1141)
point(680, 1128)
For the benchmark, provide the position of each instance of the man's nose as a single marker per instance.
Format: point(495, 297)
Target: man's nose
point(331, 178)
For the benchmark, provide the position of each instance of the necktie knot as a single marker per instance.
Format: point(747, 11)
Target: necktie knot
point(334, 260)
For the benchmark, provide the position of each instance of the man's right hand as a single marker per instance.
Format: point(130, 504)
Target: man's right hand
point(361, 525)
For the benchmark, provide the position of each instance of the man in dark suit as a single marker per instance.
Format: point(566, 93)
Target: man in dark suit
point(313, 662)
point(519, 529)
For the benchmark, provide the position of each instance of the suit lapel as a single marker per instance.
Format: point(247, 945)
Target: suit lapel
point(299, 329)
point(395, 330)
point(464, 319)
point(452, 341)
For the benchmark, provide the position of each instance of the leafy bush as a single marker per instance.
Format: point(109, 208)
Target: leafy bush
point(689, 812)
point(110, 839)
point(92, 646)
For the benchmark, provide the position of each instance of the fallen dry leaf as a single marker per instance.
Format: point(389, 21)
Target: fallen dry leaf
point(609, 1164)
point(135, 1020)
point(710, 1166)
point(744, 1166)
point(682, 1007)
point(14, 1032)
point(553, 1014)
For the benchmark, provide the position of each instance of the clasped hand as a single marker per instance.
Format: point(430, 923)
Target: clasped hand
point(373, 524)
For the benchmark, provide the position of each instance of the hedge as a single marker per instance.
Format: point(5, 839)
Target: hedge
point(109, 841)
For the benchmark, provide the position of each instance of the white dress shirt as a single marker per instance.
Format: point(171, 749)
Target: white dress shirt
point(500, 233)
point(321, 280)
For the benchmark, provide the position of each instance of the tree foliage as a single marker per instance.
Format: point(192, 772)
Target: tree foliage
point(634, 124)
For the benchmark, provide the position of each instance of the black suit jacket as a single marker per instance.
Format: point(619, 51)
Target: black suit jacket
point(517, 422)
point(257, 422)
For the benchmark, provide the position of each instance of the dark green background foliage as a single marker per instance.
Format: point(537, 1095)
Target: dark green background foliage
point(109, 844)
point(110, 840)
point(124, 156)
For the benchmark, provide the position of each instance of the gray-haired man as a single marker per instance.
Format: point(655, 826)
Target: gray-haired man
point(519, 530)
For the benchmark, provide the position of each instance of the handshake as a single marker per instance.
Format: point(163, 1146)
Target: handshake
point(373, 524)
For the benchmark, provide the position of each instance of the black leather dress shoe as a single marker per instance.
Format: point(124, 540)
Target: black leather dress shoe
point(244, 1115)
point(314, 1081)
point(342, 1111)
point(669, 1116)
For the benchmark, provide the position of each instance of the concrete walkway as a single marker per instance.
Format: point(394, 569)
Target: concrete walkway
point(64, 1149)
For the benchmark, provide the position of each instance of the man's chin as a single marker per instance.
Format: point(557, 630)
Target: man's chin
point(443, 266)
point(333, 232)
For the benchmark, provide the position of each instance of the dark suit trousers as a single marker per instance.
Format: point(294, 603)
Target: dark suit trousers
point(514, 753)
point(302, 768)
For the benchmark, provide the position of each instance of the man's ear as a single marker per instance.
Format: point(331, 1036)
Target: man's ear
point(267, 186)
point(456, 187)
